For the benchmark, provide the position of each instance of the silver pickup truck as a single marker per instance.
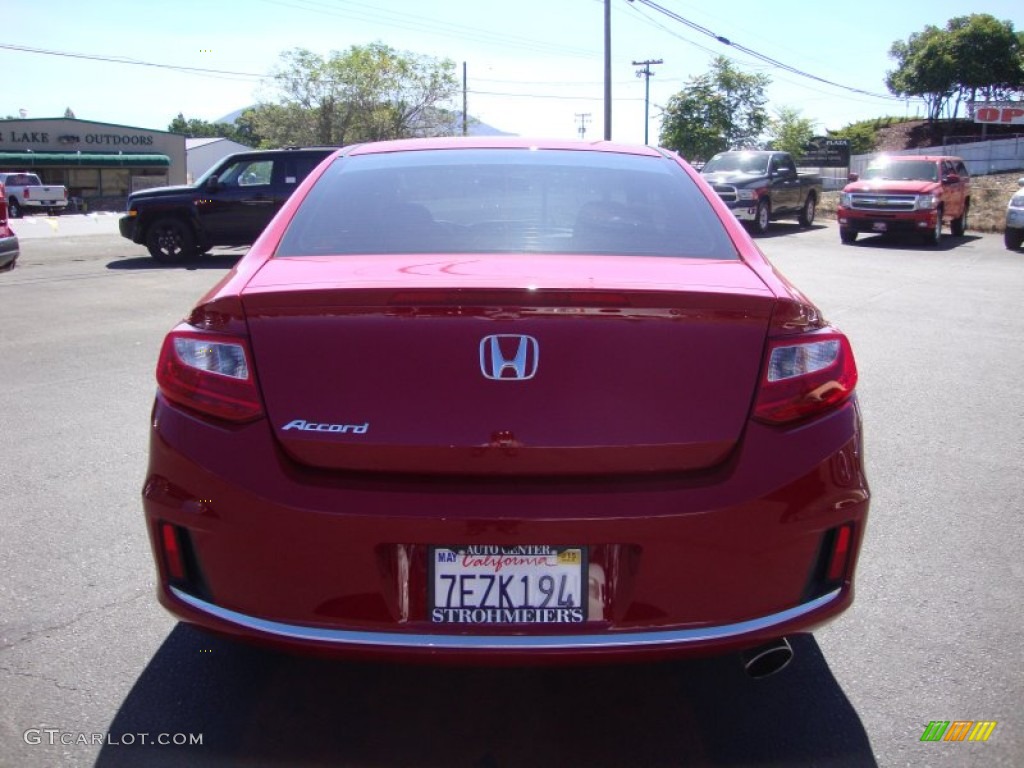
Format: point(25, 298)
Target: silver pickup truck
point(25, 192)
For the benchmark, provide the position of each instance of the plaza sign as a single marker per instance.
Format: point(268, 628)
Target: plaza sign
point(823, 152)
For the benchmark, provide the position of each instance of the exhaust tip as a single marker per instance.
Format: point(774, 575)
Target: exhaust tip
point(767, 659)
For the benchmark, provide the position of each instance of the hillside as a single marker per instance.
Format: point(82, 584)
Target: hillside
point(914, 134)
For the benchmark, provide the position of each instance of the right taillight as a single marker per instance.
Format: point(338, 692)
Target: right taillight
point(805, 375)
point(210, 373)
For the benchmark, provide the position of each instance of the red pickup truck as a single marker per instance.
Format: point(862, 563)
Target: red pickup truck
point(906, 193)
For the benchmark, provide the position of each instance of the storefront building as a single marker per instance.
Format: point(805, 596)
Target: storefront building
point(99, 163)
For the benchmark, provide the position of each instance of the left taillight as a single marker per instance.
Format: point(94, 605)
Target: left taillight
point(210, 373)
point(805, 375)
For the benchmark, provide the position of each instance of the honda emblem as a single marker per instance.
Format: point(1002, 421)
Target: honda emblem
point(509, 357)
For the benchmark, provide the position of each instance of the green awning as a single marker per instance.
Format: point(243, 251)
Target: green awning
point(25, 160)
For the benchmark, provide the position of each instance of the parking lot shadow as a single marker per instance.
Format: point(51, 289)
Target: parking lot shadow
point(224, 260)
point(256, 707)
point(786, 228)
point(911, 240)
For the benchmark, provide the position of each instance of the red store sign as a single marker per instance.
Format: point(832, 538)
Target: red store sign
point(1000, 114)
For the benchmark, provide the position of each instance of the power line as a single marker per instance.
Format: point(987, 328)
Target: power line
point(416, 23)
point(762, 67)
point(655, 23)
point(252, 75)
point(548, 96)
point(133, 62)
point(760, 56)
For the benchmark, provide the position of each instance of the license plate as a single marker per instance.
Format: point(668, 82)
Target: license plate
point(532, 584)
point(880, 226)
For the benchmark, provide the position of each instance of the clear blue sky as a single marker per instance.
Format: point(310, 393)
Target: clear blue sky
point(533, 64)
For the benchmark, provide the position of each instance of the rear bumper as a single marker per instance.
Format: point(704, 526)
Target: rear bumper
point(775, 625)
point(42, 205)
point(337, 563)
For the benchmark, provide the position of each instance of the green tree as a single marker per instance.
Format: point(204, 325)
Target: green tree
point(945, 67)
point(245, 129)
point(789, 132)
point(925, 69)
point(195, 128)
point(721, 109)
point(989, 55)
point(366, 93)
point(863, 135)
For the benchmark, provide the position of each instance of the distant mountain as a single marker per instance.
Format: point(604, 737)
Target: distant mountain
point(232, 116)
point(476, 127)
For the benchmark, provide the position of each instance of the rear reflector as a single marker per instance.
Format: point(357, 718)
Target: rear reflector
point(805, 376)
point(840, 553)
point(172, 552)
point(210, 373)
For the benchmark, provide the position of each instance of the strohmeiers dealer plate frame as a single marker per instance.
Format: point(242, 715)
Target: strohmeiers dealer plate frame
point(491, 585)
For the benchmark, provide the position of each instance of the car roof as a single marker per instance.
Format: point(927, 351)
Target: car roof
point(498, 142)
point(284, 151)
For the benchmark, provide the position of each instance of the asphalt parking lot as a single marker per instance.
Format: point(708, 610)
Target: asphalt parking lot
point(94, 672)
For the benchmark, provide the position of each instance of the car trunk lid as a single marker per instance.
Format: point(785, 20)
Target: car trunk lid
point(507, 365)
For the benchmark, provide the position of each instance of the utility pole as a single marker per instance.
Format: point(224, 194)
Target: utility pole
point(583, 118)
point(646, 74)
point(465, 105)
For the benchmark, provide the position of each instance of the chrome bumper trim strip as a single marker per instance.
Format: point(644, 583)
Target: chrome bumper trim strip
point(608, 640)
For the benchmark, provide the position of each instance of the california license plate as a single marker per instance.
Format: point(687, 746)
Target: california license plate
point(880, 226)
point(526, 584)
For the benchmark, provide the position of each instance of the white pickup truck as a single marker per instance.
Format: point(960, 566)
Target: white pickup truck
point(25, 192)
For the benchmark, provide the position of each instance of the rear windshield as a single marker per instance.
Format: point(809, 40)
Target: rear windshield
point(22, 180)
point(506, 201)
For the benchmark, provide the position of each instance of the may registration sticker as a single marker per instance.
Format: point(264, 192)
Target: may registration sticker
point(525, 584)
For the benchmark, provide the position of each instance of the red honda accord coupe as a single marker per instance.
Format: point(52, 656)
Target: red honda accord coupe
point(482, 400)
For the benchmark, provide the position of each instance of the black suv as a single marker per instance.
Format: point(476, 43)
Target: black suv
point(229, 205)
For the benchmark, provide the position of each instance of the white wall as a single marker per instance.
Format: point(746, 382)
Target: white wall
point(202, 158)
point(981, 158)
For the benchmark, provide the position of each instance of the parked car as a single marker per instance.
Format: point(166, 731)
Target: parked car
point(906, 193)
point(229, 205)
point(1013, 234)
point(761, 187)
point(505, 399)
point(8, 240)
point(26, 193)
